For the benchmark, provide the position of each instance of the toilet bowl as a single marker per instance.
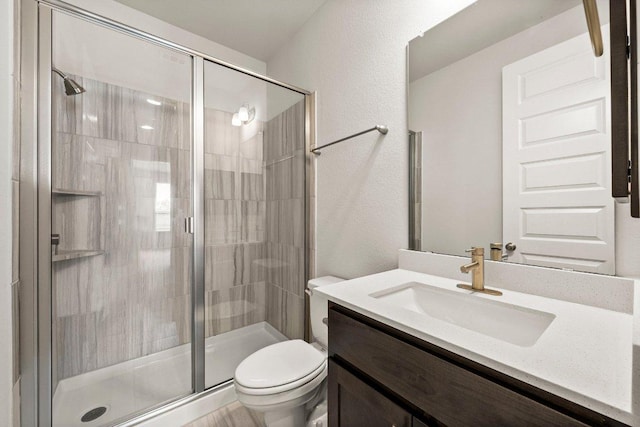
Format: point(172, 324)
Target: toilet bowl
point(286, 380)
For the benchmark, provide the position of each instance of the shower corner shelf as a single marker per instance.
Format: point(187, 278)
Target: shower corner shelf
point(66, 255)
point(67, 192)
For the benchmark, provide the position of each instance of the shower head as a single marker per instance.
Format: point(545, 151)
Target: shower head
point(71, 87)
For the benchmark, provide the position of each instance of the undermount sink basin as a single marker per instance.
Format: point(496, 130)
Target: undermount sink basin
point(507, 322)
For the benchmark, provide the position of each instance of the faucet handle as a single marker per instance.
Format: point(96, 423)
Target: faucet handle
point(475, 251)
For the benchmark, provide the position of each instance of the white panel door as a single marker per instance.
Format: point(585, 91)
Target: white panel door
point(557, 204)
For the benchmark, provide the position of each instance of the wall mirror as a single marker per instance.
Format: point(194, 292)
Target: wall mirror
point(510, 123)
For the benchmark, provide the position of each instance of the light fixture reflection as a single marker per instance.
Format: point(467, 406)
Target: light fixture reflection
point(146, 127)
point(153, 102)
point(163, 206)
point(245, 115)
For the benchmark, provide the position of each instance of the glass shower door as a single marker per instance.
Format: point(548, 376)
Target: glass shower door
point(254, 194)
point(121, 191)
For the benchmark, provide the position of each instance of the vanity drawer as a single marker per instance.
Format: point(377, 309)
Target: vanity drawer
point(428, 383)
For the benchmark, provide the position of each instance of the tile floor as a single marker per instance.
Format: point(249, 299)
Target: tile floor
point(232, 415)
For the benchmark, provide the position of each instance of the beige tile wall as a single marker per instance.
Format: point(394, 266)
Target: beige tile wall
point(135, 299)
point(285, 220)
point(235, 288)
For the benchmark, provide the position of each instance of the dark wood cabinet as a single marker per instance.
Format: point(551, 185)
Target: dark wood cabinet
point(379, 376)
point(359, 404)
point(418, 423)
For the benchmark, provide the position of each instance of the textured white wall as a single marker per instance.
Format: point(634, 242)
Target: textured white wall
point(6, 115)
point(353, 52)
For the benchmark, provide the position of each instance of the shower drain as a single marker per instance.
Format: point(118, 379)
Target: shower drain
point(93, 414)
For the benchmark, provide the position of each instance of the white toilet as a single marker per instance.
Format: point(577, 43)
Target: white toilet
point(286, 380)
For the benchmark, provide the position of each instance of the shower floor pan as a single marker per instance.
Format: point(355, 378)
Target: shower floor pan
point(132, 386)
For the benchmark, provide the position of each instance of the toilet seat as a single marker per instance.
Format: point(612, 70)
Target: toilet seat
point(283, 387)
point(291, 398)
point(279, 368)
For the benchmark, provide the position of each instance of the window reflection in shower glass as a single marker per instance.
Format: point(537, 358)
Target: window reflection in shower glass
point(254, 212)
point(121, 179)
point(163, 207)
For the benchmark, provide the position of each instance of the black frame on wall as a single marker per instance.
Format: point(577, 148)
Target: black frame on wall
point(625, 181)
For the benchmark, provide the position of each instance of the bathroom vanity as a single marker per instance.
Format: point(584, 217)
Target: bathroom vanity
point(387, 377)
point(544, 361)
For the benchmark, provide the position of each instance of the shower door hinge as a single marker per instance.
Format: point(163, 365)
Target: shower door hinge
point(630, 176)
point(188, 225)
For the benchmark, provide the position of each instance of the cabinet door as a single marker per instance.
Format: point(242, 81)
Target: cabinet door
point(354, 403)
point(418, 423)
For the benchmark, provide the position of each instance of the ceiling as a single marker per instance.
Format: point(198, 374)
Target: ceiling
point(480, 25)
point(254, 27)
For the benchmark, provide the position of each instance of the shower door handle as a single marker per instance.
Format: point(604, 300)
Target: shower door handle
point(188, 225)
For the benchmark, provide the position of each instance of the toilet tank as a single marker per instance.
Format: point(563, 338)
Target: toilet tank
point(318, 309)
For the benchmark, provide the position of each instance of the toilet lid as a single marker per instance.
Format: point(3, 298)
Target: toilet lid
point(279, 364)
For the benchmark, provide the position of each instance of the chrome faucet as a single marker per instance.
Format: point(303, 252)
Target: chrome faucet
point(476, 267)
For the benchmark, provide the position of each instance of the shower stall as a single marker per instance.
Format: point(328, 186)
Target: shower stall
point(172, 220)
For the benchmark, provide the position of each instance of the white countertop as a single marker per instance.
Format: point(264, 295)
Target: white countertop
point(585, 355)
